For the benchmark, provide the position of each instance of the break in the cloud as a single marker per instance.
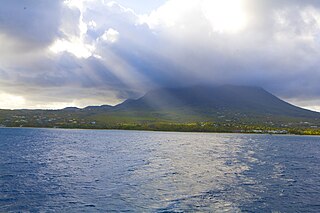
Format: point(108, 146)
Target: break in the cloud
point(78, 53)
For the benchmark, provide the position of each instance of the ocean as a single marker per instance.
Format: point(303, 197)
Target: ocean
point(60, 170)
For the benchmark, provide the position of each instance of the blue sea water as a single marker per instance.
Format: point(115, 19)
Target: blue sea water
point(55, 170)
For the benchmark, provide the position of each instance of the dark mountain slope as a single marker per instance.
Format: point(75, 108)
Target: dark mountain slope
point(206, 100)
point(97, 108)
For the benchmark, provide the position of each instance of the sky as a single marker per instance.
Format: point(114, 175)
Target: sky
point(55, 54)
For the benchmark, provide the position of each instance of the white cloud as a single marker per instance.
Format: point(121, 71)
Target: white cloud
point(222, 16)
point(170, 14)
point(225, 16)
point(74, 46)
point(110, 35)
point(92, 24)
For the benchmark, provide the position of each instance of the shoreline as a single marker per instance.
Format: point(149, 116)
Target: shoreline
point(169, 131)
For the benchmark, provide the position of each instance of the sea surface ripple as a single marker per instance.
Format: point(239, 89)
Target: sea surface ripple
point(54, 170)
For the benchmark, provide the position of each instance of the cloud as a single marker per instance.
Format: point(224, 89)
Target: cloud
point(95, 51)
point(275, 48)
point(31, 22)
point(110, 35)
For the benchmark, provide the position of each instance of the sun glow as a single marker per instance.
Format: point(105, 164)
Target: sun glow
point(75, 46)
point(9, 101)
point(226, 15)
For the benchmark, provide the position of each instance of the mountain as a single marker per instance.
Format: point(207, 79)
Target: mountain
point(71, 109)
point(205, 100)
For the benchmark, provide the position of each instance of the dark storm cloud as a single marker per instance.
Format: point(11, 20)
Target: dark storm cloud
point(34, 22)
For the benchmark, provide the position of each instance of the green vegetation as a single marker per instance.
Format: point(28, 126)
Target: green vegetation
point(155, 122)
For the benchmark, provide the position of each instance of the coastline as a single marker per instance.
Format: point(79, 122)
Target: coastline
point(161, 130)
